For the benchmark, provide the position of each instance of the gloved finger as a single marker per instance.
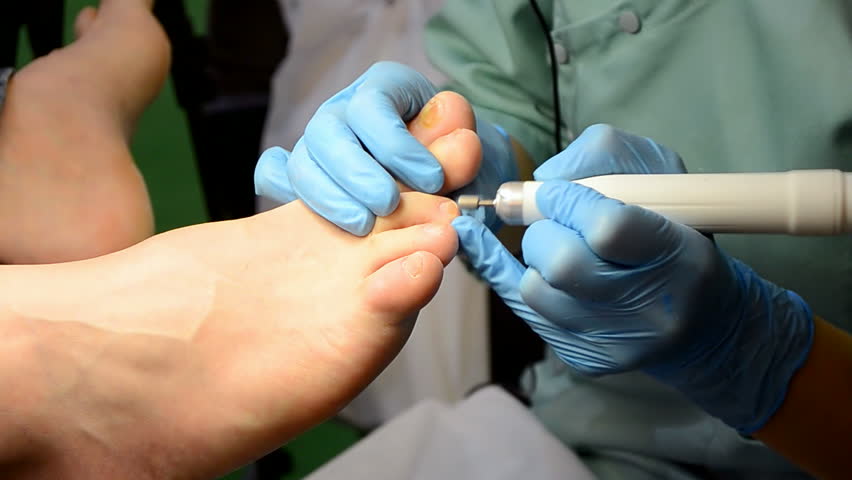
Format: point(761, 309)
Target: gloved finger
point(580, 340)
point(615, 232)
point(558, 306)
point(600, 323)
point(502, 271)
point(490, 259)
point(319, 192)
point(270, 176)
point(563, 258)
point(385, 99)
point(599, 328)
point(573, 348)
point(604, 150)
point(336, 149)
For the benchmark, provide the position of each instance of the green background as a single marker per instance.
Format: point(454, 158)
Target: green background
point(162, 149)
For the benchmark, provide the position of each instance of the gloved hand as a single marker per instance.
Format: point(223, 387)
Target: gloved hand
point(614, 287)
point(357, 143)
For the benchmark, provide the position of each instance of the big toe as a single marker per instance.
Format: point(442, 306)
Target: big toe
point(84, 21)
point(446, 126)
point(443, 114)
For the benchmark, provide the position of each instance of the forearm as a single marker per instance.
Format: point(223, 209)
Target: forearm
point(813, 428)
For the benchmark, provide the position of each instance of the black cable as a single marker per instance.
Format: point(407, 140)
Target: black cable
point(554, 76)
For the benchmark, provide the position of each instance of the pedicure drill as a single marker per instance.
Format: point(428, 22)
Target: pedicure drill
point(798, 202)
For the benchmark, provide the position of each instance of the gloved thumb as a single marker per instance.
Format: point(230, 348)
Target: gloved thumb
point(270, 176)
point(604, 150)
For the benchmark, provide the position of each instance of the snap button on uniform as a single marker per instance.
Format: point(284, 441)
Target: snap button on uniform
point(561, 53)
point(629, 22)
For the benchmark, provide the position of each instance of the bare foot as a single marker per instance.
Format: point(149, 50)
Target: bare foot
point(68, 186)
point(201, 349)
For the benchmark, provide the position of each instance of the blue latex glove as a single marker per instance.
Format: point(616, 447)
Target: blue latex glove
point(357, 143)
point(614, 287)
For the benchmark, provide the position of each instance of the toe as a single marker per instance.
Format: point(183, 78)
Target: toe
point(446, 125)
point(422, 222)
point(404, 285)
point(460, 154)
point(443, 114)
point(439, 239)
point(417, 209)
point(84, 21)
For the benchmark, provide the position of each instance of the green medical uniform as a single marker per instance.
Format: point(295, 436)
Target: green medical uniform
point(731, 85)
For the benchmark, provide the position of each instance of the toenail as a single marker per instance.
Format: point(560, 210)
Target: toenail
point(413, 265)
point(449, 208)
point(429, 116)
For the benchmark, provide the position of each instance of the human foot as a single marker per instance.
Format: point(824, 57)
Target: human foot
point(202, 348)
point(68, 186)
point(125, 52)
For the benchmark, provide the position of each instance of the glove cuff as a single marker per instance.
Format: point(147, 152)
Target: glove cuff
point(790, 352)
point(744, 378)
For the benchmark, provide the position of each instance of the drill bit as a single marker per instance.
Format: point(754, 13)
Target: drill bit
point(472, 202)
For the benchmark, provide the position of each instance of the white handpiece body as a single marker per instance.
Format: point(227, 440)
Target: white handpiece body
point(798, 202)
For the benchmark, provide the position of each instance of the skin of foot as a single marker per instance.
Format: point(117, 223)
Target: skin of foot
point(199, 350)
point(69, 188)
